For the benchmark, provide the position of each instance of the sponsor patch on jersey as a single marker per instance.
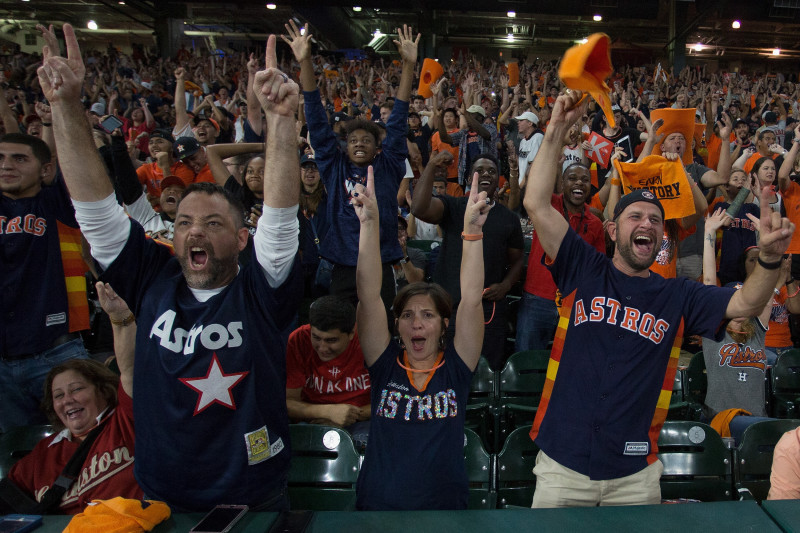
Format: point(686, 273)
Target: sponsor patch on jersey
point(636, 448)
point(258, 446)
point(55, 319)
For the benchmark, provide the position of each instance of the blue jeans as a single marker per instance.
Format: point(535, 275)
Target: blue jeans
point(774, 353)
point(537, 320)
point(22, 383)
point(740, 423)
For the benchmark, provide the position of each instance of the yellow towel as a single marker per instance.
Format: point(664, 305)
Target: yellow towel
point(119, 515)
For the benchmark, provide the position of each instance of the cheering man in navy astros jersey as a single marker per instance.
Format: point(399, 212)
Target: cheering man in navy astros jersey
point(42, 288)
point(209, 384)
point(619, 337)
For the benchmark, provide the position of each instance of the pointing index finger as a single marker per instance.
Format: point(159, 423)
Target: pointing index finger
point(271, 61)
point(73, 50)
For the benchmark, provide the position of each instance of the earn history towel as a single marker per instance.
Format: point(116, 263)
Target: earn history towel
point(666, 179)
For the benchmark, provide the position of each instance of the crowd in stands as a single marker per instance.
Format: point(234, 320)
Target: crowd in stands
point(344, 163)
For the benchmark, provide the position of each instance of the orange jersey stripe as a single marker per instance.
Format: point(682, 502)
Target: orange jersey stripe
point(660, 414)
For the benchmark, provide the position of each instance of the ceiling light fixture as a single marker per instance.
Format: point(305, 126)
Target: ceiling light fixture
point(698, 47)
point(510, 38)
point(583, 41)
point(271, 6)
point(776, 52)
point(511, 14)
point(356, 8)
point(92, 25)
point(597, 18)
point(736, 24)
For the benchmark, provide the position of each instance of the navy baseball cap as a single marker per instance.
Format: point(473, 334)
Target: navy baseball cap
point(186, 146)
point(163, 133)
point(341, 116)
point(308, 158)
point(639, 195)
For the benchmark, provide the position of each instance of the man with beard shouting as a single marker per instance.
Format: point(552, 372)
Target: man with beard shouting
point(210, 389)
point(619, 337)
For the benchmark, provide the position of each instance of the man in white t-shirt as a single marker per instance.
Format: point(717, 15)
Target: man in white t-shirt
point(528, 127)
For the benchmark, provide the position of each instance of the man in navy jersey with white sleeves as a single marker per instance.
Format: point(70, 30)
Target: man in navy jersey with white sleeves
point(209, 384)
point(614, 356)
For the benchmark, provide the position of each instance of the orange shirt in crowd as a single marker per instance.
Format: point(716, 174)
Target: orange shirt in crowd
point(438, 145)
point(779, 335)
point(748, 165)
point(791, 201)
point(150, 176)
point(204, 175)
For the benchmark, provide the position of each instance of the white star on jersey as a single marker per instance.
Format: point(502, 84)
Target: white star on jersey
point(215, 387)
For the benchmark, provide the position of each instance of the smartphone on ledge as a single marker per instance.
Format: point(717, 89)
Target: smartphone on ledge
point(220, 519)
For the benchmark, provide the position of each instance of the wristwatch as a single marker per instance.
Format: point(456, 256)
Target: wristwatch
point(404, 260)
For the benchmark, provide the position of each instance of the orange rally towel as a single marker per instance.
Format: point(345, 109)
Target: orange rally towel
point(119, 515)
point(722, 421)
point(666, 179)
point(586, 67)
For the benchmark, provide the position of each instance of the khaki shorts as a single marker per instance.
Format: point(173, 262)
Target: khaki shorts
point(558, 486)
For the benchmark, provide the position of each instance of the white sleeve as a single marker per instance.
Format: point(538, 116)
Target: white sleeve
point(105, 226)
point(276, 242)
point(141, 211)
point(409, 171)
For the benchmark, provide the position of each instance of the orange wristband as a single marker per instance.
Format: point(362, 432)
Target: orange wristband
point(471, 236)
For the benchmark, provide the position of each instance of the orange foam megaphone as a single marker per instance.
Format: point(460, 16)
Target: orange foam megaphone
point(431, 72)
point(676, 121)
point(585, 67)
point(513, 74)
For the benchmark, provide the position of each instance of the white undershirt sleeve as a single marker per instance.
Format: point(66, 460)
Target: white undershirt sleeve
point(105, 226)
point(276, 242)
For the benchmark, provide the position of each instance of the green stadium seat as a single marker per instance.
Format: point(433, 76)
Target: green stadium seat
point(324, 468)
point(421, 244)
point(520, 389)
point(786, 385)
point(695, 386)
point(754, 455)
point(479, 473)
point(515, 479)
point(480, 407)
point(18, 442)
point(697, 464)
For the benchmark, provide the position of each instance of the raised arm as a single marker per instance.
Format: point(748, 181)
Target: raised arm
point(123, 326)
point(713, 223)
point(724, 164)
point(469, 319)
point(373, 331)
point(300, 44)
point(275, 241)
point(253, 105)
point(408, 53)
point(217, 152)
point(61, 80)
point(278, 96)
point(181, 116)
point(549, 224)
point(776, 233)
point(424, 205)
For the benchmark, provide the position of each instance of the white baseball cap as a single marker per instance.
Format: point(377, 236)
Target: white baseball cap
point(528, 115)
